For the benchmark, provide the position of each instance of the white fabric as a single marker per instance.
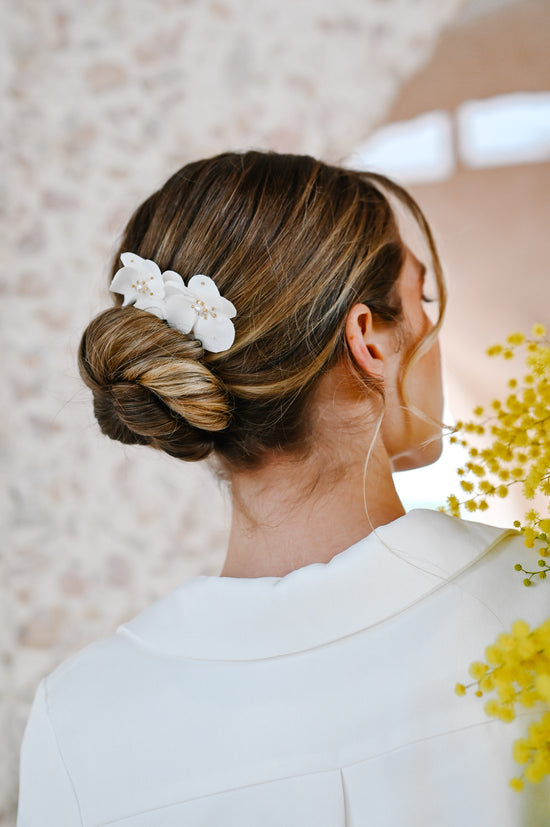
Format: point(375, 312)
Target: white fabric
point(322, 698)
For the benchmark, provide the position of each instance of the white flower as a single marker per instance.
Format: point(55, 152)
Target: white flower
point(141, 283)
point(200, 309)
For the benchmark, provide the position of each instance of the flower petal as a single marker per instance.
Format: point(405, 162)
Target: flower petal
point(122, 280)
point(172, 279)
point(225, 307)
point(179, 312)
point(216, 334)
point(203, 286)
point(152, 304)
point(124, 283)
point(142, 265)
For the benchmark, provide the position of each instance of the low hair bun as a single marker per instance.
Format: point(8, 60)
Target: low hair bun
point(150, 386)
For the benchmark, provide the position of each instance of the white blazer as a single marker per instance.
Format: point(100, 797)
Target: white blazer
point(323, 698)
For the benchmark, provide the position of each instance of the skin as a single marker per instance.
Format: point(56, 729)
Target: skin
point(291, 513)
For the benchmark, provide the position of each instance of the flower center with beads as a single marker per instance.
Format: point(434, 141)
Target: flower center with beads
point(141, 286)
point(203, 310)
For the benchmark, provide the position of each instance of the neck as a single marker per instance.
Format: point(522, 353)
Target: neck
point(292, 513)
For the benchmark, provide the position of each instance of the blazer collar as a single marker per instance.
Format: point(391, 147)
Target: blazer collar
point(221, 618)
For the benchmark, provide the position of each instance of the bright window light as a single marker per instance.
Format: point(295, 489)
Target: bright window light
point(507, 129)
point(420, 149)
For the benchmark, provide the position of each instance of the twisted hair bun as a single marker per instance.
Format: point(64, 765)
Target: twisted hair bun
point(150, 386)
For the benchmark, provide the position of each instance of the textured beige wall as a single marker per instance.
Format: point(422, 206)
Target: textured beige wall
point(105, 99)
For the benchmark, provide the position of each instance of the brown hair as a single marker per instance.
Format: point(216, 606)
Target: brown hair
point(293, 243)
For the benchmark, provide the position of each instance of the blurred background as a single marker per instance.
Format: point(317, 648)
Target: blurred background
point(103, 101)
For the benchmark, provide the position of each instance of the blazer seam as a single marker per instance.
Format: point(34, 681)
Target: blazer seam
point(184, 801)
point(338, 768)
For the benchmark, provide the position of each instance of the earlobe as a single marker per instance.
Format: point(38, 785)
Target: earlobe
point(363, 342)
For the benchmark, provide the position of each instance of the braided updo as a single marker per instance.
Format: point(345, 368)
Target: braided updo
point(293, 244)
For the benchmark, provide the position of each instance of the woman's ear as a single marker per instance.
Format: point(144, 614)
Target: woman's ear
point(364, 344)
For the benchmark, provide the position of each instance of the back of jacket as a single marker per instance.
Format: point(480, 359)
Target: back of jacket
point(322, 698)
